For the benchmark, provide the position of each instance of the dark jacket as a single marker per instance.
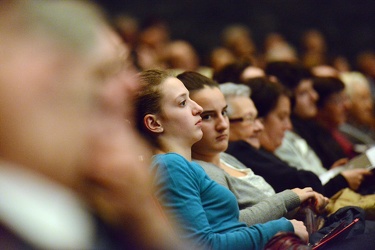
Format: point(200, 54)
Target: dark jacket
point(278, 173)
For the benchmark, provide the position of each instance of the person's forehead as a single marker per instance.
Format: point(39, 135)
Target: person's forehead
point(209, 98)
point(283, 103)
point(109, 46)
point(172, 88)
point(242, 105)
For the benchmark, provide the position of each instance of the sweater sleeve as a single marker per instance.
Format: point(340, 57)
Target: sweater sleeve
point(179, 188)
point(255, 206)
point(271, 208)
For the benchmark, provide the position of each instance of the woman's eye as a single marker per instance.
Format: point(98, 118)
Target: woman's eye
point(224, 113)
point(183, 103)
point(206, 117)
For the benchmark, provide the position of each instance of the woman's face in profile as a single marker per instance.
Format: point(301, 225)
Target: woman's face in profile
point(180, 116)
point(275, 124)
point(306, 97)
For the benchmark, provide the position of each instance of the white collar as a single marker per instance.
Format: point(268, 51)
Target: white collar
point(45, 214)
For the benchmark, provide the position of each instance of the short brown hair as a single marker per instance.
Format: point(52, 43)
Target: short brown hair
point(195, 81)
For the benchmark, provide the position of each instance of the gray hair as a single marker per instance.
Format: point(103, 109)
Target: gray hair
point(230, 90)
point(352, 80)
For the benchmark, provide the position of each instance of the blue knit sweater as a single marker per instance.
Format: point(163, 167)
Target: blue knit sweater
point(206, 211)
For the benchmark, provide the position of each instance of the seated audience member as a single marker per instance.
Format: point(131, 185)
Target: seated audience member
point(359, 126)
point(237, 72)
point(256, 198)
point(365, 62)
point(276, 120)
point(273, 106)
point(220, 57)
point(207, 212)
point(277, 48)
point(153, 37)
point(280, 170)
point(332, 107)
point(328, 142)
point(294, 148)
point(60, 104)
point(237, 38)
point(181, 55)
point(245, 146)
point(314, 48)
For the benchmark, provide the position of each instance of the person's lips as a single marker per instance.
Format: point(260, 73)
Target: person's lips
point(222, 137)
point(199, 122)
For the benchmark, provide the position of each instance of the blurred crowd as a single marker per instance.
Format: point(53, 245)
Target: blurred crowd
point(152, 46)
point(238, 59)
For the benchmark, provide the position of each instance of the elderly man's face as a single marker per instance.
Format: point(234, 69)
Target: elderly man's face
point(50, 100)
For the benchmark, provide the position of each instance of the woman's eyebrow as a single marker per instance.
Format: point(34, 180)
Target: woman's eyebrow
point(207, 112)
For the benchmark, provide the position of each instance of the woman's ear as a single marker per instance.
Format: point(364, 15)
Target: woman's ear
point(152, 123)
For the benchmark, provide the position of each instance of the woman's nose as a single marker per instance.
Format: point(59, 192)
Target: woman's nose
point(258, 125)
point(223, 122)
point(197, 110)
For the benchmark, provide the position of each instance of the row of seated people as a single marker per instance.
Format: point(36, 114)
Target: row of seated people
point(319, 115)
point(187, 118)
point(74, 174)
point(151, 41)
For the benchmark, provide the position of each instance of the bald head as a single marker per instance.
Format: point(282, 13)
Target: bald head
point(54, 60)
point(70, 24)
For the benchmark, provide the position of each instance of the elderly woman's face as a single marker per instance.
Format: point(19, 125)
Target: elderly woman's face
point(244, 124)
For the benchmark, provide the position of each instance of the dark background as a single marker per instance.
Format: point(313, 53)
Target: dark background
point(348, 25)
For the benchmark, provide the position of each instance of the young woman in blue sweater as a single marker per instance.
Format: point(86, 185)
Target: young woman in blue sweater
point(206, 212)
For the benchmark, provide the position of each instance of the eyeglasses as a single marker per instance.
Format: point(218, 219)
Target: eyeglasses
point(250, 119)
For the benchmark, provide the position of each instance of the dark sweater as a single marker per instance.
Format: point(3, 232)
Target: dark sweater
point(278, 173)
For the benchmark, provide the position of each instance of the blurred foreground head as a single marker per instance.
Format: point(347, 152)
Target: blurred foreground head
point(57, 60)
point(66, 90)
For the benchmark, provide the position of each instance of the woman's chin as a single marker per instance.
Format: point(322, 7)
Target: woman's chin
point(198, 136)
